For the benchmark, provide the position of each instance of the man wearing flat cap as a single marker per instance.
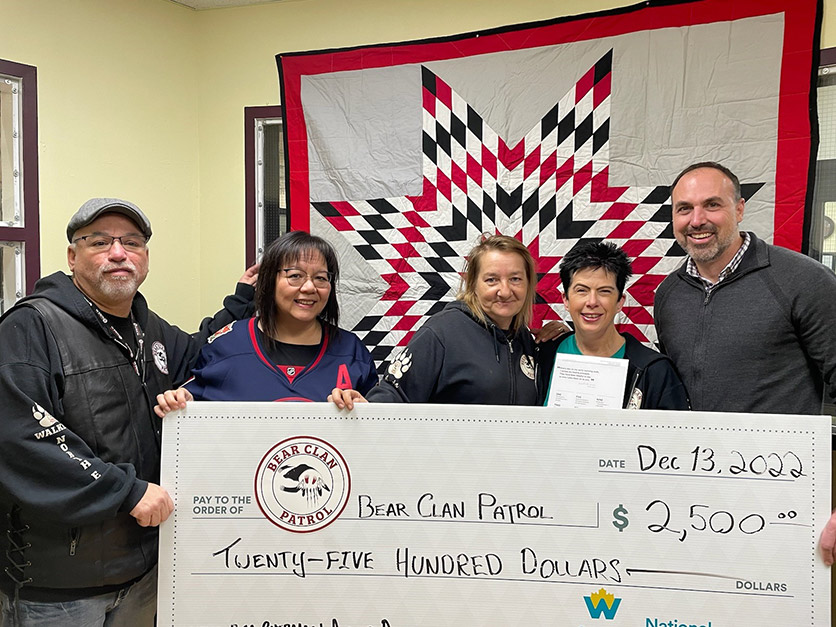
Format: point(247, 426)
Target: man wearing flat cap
point(81, 362)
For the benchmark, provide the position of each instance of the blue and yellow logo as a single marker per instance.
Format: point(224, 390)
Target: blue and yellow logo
point(602, 602)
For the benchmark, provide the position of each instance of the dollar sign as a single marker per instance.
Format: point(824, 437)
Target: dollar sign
point(619, 515)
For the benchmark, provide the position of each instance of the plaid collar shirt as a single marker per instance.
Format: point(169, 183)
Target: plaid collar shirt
point(731, 266)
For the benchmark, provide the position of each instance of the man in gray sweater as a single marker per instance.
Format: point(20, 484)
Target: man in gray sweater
point(748, 325)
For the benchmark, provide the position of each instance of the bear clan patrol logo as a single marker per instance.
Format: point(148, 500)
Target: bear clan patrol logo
point(160, 357)
point(302, 484)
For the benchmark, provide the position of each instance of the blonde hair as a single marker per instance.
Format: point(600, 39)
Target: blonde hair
point(467, 288)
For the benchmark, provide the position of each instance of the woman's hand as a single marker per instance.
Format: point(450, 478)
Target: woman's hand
point(171, 400)
point(345, 399)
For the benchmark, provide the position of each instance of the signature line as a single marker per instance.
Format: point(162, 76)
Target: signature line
point(630, 571)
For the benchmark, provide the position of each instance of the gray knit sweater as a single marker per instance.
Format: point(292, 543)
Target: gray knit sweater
point(763, 341)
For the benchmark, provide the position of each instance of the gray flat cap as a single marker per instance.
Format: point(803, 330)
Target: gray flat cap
point(95, 207)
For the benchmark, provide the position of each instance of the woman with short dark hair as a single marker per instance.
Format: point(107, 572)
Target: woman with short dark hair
point(594, 276)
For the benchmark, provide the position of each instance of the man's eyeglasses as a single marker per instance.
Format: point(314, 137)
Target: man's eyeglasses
point(297, 278)
point(101, 243)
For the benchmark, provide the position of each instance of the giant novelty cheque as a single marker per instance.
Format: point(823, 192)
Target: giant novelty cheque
point(408, 515)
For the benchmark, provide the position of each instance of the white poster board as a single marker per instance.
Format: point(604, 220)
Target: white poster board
point(414, 515)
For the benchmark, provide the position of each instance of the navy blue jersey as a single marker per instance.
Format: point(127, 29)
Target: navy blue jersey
point(233, 367)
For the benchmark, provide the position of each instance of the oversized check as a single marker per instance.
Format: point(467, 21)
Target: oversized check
point(408, 515)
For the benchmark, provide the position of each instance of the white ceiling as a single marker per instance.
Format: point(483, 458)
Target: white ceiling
point(201, 5)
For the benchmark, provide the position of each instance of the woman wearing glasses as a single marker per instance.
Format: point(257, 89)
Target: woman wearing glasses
point(293, 349)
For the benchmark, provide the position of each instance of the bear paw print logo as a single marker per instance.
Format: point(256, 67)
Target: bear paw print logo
point(42, 416)
point(401, 364)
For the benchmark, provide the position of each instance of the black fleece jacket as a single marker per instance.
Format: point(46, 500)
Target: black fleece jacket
point(455, 358)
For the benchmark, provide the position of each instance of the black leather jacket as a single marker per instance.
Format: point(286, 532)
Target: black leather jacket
point(79, 440)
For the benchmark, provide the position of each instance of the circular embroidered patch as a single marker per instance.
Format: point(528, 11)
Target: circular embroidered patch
point(160, 357)
point(527, 366)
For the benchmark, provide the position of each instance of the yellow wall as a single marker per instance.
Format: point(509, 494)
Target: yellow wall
point(117, 97)
point(238, 48)
point(144, 99)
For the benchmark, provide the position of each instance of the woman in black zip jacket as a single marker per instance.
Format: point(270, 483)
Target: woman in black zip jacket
point(478, 349)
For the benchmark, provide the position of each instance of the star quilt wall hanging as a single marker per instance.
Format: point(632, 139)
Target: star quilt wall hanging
point(402, 154)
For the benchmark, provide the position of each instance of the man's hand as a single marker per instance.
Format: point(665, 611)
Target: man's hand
point(171, 400)
point(154, 507)
point(250, 275)
point(827, 542)
point(345, 399)
point(550, 330)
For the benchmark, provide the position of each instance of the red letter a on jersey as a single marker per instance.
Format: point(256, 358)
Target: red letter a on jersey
point(343, 379)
